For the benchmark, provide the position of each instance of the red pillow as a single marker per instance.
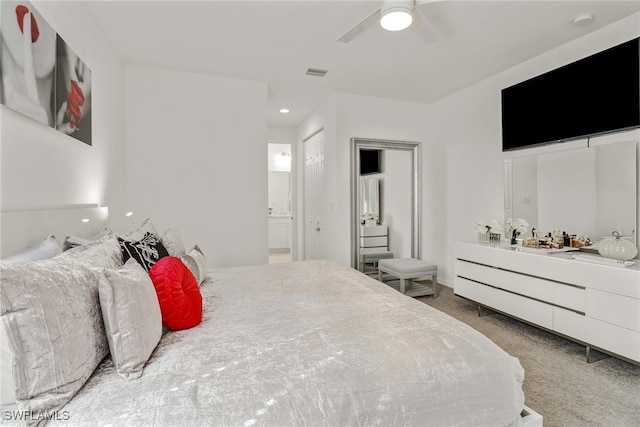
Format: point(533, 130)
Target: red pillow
point(178, 293)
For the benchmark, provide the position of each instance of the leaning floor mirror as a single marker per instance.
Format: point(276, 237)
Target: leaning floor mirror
point(385, 200)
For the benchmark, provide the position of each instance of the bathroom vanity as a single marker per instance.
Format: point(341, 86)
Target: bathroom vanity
point(589, 299)
point(279, 232)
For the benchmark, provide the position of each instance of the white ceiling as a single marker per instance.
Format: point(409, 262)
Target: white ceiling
point(276, 41)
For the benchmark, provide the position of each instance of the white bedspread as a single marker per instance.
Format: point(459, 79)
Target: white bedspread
point(310, 344)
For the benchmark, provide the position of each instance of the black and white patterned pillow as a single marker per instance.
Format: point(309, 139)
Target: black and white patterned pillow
point(147, 251)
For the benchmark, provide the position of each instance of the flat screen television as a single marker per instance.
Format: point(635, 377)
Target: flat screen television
point(595, 95)
point(370, 161)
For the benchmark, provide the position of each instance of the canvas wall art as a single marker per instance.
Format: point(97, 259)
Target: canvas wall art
point(41, 76)
point(73, 94)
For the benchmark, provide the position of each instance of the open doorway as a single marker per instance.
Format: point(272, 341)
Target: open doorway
point(280, 202)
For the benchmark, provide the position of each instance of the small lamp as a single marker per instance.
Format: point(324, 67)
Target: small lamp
point(85, 222)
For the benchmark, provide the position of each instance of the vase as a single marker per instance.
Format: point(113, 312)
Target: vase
point(617, 248)
point(370, 222)
point(489, 237)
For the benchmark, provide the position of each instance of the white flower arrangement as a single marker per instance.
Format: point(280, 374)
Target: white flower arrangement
point(520, 226)
point(490, 225)
point(369, 216)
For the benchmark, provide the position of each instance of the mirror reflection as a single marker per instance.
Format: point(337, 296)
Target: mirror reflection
point(369, 199)
point(589, 191)
point(279, 193)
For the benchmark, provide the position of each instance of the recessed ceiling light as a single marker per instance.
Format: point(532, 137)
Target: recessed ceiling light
point(284, 110)
point(583, 20)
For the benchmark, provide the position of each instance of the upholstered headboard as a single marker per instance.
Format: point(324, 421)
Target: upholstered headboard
point(21, 229)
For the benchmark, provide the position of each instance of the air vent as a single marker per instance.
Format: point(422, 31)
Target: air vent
point(316, 72)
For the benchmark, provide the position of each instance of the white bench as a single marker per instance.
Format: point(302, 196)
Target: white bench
point(410, 269)
point(372, 256)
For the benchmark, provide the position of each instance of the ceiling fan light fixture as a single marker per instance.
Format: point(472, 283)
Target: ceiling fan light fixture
point(396, 16)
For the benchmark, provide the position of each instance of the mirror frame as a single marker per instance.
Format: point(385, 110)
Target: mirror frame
point(384, 144)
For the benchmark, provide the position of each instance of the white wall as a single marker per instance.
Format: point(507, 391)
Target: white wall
point(43, 168)
point(196, 160)
point(283, 134)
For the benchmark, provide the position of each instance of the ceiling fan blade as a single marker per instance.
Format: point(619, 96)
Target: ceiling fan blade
point(363, 25)
point(423, 28)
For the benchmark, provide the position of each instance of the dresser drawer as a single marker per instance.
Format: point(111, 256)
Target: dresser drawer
point(615, 309)
point(570, 297)
point(617, 280)
point(370, 242)
point(527, 309)
point(621, 341)
point(533, 287)
point(518, 261)
point(373, 230)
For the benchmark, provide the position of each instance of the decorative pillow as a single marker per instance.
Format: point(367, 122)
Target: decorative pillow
point(45, 249)
point(178, 293)
point(139, 232)
point(7, 390)
point(132, 317)
point(173, 242)
point(51, 313)
point(196, 263)
point(73, 241)
point(146, 251)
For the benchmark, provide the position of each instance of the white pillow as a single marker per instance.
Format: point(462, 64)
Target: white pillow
point(196, 263)
point(45, 249)
point(73, 241)
point(173, 243)
point(7, 390)
point(139, 232)
point(52, 318)
point(132, 317)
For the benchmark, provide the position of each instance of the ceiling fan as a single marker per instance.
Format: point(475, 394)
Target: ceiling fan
point(395, 15)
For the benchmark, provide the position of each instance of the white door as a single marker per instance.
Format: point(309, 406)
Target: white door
point(314, 218)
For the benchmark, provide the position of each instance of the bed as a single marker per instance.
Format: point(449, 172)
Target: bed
point(310, 343)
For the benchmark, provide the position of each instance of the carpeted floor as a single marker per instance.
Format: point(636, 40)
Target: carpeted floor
point(559, 383)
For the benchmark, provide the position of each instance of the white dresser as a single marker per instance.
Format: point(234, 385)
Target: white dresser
point(585, 298)
point(374, 246)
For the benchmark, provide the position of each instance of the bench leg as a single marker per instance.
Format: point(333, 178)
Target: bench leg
point(380, 275)
point(434, 284)
point(402, 283)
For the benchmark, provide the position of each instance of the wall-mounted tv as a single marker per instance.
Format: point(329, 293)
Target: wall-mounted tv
point(370, 161)
point(595, 95)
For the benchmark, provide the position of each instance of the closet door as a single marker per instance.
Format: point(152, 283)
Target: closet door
point(314, 217)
